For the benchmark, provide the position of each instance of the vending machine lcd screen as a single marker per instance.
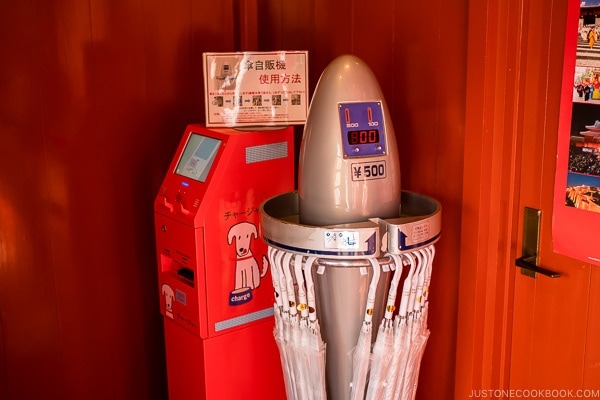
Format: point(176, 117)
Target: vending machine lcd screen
point(197, 157)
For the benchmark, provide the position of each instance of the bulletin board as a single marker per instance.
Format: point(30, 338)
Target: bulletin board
point(576, 214)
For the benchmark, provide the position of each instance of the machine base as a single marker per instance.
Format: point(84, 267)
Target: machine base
point(241, 364)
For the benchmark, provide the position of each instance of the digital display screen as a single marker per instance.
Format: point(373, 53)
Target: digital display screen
point(198, 156)
point(364, 136)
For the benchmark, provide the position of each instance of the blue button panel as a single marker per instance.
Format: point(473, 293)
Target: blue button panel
point(363, 130)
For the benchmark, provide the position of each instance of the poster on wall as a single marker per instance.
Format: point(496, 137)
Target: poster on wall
point(256, 88)
point(576, 216)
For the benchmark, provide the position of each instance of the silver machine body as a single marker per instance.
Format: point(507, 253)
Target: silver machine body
point(340, 181)
point(349, 169)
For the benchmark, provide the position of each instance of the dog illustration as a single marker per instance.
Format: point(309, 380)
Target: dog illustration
point(247, 274)
point(167, 291)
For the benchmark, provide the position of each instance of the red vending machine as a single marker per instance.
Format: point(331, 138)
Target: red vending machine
point(215, 288)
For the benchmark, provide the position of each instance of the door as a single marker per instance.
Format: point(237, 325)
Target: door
point(516, 332)
point(554, 342)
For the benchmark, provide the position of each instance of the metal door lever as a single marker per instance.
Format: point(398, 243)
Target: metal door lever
point(531, 245)
point(529, 265)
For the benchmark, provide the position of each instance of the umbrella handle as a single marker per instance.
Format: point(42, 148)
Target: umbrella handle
point(282, 282)
point(431, 250)
point(289, 282)
point(407, 285)
point(273, 252)
point(302, 306)
point(391, 301)
point(372, 289)
point(421, 281)
point(415, 281)
point(310, 288)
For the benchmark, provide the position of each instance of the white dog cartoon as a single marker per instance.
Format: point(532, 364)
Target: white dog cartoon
point(167, 291)
point(247, 274)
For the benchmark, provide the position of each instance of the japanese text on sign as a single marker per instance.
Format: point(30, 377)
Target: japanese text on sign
point(249, 89)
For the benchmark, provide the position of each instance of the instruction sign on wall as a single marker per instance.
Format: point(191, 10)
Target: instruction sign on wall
point(256, 88)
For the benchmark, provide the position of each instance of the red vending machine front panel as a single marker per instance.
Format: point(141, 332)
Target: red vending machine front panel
point(215, 288)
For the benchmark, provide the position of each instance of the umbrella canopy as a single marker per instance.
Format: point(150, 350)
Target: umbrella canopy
point(411, 324)
point(412, 340)
point(294, 337)
point(297, 334)
point(420, 330)
point(275, 257)
point(362, 352)
point(395, 374)
point(304, 354)
point(391, 370)
point(314, 343)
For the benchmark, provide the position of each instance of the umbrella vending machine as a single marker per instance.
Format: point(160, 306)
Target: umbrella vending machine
point(351, 253)
point(215, 288)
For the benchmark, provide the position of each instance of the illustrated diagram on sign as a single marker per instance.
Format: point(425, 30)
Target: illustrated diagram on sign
point(247, 273)
point(225, 76)
point(167, 291)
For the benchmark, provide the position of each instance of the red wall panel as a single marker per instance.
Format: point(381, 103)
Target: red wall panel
point(95, 99)
point(28, 310)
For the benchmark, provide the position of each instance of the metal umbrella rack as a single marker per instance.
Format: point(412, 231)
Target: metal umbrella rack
point(389, 338)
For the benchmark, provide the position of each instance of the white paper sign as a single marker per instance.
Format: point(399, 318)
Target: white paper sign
point(256, 88)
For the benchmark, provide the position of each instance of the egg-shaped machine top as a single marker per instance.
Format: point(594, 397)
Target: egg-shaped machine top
point(349, 168)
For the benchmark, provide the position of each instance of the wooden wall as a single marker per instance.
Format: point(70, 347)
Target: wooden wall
point(94, 99)
point(418, 54)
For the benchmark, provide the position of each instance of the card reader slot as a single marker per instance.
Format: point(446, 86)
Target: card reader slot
point(183, 273)
point(186, 273)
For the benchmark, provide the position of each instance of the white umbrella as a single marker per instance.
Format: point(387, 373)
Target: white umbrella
point(418, 343)
point(294, 341)
point(384, 344)
point(296, 330)
point(315, 341)
point(303, 357)
point(395, 374)
point(411, 330)
point(311, 352)
point(362, 352)
point(280, 325)
point(404, 390)
point(416, 330)
point(421, 333)
point(286, 331)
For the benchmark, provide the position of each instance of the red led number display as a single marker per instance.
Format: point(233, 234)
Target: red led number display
point(363, 136)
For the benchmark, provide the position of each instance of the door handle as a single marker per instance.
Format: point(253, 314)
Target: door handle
point(531, 245)
point(529, 265)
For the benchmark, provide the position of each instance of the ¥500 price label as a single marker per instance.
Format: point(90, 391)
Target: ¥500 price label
point(368, 170)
